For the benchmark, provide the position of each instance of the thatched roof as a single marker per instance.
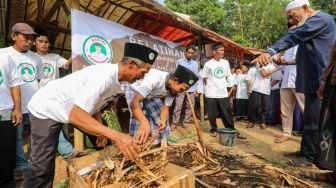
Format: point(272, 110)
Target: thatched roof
point(144, 15)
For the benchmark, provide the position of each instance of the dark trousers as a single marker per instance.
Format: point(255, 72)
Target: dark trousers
point(242, 107)
point(7, 153)
point(326, 147)
point(223, 106)
point(310, 126)
point(259, 101)
point(44, 143)
point(273, 106)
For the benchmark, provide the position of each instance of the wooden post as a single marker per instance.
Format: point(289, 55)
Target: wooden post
point(202, 109)
point(78, 135)
point(201, 50)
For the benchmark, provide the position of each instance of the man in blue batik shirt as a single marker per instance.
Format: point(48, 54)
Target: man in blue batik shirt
point(315, 37)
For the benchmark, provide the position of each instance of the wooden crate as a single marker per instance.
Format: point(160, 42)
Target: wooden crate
point(177, 177)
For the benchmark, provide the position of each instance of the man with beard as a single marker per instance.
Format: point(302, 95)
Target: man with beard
point(315, 37)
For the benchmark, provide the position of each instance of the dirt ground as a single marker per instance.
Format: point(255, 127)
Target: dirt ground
point(257, 151)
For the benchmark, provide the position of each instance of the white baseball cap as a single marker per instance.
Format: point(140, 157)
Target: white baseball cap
point(296, 4)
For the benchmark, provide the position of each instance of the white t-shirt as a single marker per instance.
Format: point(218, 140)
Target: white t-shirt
point(251, 77)
point(216, 73)
point(9, 78)
point(276, 76)
point(231, 80)
point(89, 89)
point(154, 85)
point(29, 67)
point(51, 64)
point(262, 84)
point(240, 82)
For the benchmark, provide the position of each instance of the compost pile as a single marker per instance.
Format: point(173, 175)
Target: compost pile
point(212, 168)
point(146, 171)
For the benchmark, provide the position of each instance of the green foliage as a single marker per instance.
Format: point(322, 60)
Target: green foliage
point(328, 6)
point(252, 23)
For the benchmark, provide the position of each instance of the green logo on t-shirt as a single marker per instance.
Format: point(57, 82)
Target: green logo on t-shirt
point(243, 82)
point(219, 72)
point(27, 72)
point(48, 70)
point(1, 79)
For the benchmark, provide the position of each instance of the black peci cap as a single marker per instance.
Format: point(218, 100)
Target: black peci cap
point(185, 75)
point(246, 64)
point(141, 52)
point(217, 45)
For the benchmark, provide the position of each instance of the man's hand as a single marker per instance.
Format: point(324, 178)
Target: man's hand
point(101, 142)
point(161, 125)
point(142, 133)
point(16, 117)
point(320, 91)
point(127, 146)
point(264, 59)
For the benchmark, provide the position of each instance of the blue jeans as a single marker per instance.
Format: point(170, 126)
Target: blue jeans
point(310, 126)
point(21, 159)
point(64, 146)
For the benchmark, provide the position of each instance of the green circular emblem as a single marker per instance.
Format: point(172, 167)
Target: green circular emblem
point(1, 79)
point(219, 72)
point(48, 70)
point(27, 72)
point(151, 56)
point(97, 50)
point(243, 82)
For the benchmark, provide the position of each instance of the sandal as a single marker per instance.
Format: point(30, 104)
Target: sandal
point(329, 177)
point(281, 139)
point(214, 134)
point(300, 162)
point(263, 126)
point(250, 125)
point(293, 154)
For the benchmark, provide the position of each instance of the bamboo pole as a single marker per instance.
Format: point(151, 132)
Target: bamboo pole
point(78, 135)
point(198, 128)
point(202, 108)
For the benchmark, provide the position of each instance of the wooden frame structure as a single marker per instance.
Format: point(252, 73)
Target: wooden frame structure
point(144, 15)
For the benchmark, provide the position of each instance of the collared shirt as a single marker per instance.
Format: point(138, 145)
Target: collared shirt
point(315, 39)
point(89, 89)
point(191, 65)
point(262, 84)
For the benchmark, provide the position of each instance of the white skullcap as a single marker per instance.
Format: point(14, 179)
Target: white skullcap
point(296, 4)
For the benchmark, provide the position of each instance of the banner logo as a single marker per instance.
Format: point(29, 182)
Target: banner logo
point(27, 72)
point(97, 50)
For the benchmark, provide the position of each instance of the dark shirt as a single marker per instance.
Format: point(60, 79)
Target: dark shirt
point(315, 39)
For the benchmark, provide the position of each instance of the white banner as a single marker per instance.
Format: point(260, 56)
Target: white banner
point(96, 40)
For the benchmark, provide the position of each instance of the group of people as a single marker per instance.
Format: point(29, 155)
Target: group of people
point(302, 64)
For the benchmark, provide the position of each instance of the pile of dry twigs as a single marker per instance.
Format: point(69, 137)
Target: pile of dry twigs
point(146, 171)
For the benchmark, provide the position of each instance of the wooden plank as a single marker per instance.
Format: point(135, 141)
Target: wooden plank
point(52, 11)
